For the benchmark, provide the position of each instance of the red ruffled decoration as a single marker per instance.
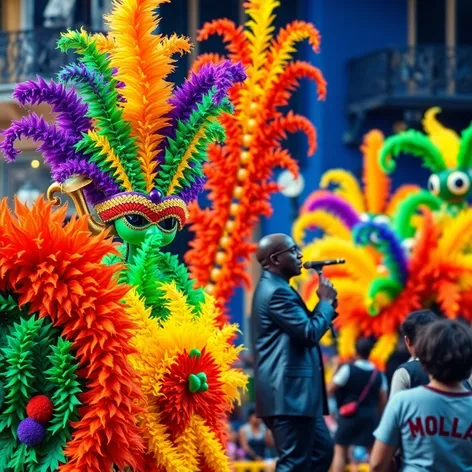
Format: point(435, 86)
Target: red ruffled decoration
point(178, 403)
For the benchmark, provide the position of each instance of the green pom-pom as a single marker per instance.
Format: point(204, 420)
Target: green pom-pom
point(202, 376)
point(204, 387)
point(195, 353)
point(194, 383)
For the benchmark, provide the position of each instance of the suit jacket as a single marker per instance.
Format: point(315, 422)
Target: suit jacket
point(289, 374)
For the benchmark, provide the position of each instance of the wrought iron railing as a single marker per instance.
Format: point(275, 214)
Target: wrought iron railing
point(25, 54)
point(420, 72)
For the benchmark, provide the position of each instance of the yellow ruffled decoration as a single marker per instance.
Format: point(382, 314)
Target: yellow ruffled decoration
point(144, 64)
point(209, 446)
point(383, 349)
point(320, 219)
point(347, 187)
point(456, 235)
point(159, 344)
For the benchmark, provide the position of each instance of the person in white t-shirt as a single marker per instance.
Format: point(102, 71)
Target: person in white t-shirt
point(432, 423)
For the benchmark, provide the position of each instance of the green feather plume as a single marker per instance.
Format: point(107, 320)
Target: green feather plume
point(464, 158)
point(151, 267)
point(411, 142)
point(186, 153)
point(409, 207)
point(98, 88)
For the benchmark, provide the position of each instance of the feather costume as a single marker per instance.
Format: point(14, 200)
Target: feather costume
point(443, 152)
point(240, 172)
point(134, 148)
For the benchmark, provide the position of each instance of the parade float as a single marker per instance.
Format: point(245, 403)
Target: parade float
point(109, 354)
point(240, 171)
point(389, 271)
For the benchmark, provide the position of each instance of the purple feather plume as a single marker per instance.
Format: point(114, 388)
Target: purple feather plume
point(336, 205)
point(71, 110)
point(79, 72)
point(57, 147)
point(222, 76)
point(104, 184)
point(188, 194)
point(189, 95)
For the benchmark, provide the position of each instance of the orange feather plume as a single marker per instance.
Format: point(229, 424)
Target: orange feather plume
point(143, 64)
point(239, 174)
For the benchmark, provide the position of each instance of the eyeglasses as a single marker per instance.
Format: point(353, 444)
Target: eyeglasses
point(294, 250)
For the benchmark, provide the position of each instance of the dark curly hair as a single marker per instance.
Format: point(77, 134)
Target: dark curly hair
point(444, 348)
point(416, 321)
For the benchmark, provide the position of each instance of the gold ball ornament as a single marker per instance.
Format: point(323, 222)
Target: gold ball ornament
point(243, 174)
point(247, 138)
point(210, 289)
point(238, 192)
point(224, 242)
point(230, 225)
point(215, 273)
point(234, 208)
point(220, 258)
point(251, 123)
point(253, 106)
point(245, 157)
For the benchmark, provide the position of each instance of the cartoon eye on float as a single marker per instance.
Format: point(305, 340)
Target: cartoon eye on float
point(458, 183)
point(434, 184)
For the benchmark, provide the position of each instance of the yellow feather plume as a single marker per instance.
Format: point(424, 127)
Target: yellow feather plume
point(320, 219)
point(347, 340)
point(446, 140)
point(187, 443)
point(104, 43)
point(376, 182)
point(383, 348)
point(361, 265)
point(258, 31)
point(209, 446)
point(103, 144)
point(185, 162)
point(144, 68)
point(348, 187)
point(456, 235)
point(176, 303)
point(174, 44)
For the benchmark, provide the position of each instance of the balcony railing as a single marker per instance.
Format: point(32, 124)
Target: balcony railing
point(411, 77)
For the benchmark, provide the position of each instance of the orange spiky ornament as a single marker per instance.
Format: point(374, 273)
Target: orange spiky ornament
point(239, 172)
point(64, 342)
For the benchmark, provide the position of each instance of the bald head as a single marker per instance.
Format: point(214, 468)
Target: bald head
point(271, 244)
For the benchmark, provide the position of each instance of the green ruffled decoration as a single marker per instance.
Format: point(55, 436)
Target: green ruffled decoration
point(151, 267)
point(9, 312)
point(411, 142)
point(35, 361)
point(203, 117)
point(65, 400)
point(409, 207)
point(98, 89)
point(20, 372)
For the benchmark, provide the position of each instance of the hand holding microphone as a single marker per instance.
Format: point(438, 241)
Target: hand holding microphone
point(326, 290)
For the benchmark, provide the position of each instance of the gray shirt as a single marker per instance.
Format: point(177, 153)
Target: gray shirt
point(433, 429)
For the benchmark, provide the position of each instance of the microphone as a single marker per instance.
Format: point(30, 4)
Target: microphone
point(318, 266)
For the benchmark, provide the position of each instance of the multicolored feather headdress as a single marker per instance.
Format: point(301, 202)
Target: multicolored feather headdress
point(138, 145)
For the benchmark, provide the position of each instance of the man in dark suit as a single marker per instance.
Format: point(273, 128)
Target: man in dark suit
point(289, 376)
